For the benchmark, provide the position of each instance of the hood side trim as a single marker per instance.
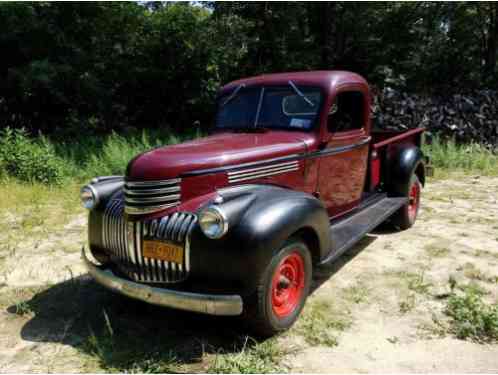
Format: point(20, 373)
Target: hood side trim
point(287, 158)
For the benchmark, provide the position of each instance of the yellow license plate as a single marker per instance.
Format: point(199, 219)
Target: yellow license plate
point(163, 251)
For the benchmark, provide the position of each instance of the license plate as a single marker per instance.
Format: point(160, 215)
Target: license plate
point(166, 251)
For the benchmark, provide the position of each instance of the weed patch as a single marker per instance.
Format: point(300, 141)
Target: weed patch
point(253, 358)
point(356, 293)
point(472, 272)
point(450, 156)
point(435, 250)
point(471, 317)
point(407, 304)
point(321, 323)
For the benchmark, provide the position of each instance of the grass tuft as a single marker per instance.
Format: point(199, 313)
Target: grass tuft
point(321, 323)
point(447, 155)
point(472, 318)
point(253, 358)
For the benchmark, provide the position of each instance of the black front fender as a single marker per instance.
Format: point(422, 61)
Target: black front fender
point(261, 219)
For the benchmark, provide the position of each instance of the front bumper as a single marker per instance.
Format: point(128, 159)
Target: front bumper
point(212, 304)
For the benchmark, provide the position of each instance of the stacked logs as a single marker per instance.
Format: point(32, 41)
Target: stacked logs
point(471, 117)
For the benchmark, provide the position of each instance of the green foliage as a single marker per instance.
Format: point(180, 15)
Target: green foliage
point(472, 318)
point(79, 68)
point(29, 160)
point(448, 155)
point(321, 323)
point(253, 358)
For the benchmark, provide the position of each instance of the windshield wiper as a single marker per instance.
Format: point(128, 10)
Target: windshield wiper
point(233, 94)
point(298, 92)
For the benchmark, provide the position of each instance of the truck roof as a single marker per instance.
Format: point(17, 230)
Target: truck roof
point(326, 79)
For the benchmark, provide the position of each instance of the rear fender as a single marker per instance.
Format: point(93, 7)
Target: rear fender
point(406, 161)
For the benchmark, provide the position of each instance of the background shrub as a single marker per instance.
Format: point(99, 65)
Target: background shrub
point(29, 160)
point(472, 317)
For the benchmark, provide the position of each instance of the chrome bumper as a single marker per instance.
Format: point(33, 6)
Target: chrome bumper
point(203, 303)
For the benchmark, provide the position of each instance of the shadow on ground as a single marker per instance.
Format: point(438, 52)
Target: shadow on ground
point(124, 334)
point(326, 273)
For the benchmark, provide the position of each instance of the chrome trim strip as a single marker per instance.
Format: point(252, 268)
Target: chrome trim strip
point(261, 175)
point(241, 166)
point(140, 257)
point(152, 183)
point(173, 189)
point(268, 167)
point(203, 303)
point(164, 198)
point(187, 244)
point(230, 176)
point(149, 209)
point(292, 157)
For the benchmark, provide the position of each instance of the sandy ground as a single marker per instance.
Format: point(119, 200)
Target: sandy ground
point(48, 306)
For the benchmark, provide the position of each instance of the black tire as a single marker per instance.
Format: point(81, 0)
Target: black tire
point(260, 313)
point(406, 216)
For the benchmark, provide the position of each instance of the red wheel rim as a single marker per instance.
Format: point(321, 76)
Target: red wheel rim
point(414, 200)
point(287, 285)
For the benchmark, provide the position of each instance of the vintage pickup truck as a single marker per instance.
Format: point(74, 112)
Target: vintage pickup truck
point(237, 223)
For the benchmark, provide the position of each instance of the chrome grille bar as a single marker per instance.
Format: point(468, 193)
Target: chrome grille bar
point(142, 197)
point(124, 241)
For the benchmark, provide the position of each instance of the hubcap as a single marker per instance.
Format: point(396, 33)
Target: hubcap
point(414, 200)
point(288, 285)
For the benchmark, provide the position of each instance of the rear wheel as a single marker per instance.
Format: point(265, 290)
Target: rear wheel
point(405, 217)
point(282, 291)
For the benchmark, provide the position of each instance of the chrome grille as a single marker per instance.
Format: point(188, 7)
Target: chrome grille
point(142, 197)
point(124, 241)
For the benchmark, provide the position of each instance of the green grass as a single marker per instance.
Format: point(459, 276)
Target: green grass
point(472, 317)
point(436, 250)
point(321, 323)
point(34, 209)
point(447, 155)
point(76, 159)
point(111, 154)
point(254, 358)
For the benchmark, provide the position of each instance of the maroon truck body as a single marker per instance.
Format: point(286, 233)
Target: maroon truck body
point(326, 175)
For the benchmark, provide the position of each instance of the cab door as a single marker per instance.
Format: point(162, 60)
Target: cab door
point(343, 153)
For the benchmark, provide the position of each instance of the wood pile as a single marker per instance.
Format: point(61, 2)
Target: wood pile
point(467, 118)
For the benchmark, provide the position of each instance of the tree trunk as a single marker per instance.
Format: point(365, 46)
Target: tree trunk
point(326, 14)
point(492, 42)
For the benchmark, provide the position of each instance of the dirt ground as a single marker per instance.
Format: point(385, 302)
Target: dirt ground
point(392, 289)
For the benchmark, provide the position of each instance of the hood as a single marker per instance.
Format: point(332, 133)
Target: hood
point(218, 150)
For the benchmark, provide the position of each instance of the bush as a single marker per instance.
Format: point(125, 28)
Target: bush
point(28, 160)
point(116, 151)
point(472, 317)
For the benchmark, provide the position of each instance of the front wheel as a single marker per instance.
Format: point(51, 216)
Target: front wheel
point(405, 217)
point(282, 290)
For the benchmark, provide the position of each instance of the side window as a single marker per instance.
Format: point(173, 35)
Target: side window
point(346, 112)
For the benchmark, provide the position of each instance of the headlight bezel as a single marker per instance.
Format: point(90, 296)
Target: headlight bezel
point(222, 220)
point(89, 189)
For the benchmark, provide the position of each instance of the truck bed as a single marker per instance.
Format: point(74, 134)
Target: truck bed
point(384, 145)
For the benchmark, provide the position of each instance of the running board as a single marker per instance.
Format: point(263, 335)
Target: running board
point(345, 233)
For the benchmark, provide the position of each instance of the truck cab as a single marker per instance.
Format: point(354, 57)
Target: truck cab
point(239, 222)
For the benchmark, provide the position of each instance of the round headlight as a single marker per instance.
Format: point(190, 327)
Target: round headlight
point(89, 197)
point(213, 222)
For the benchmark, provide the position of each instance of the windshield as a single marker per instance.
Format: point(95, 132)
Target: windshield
point(287, 107)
